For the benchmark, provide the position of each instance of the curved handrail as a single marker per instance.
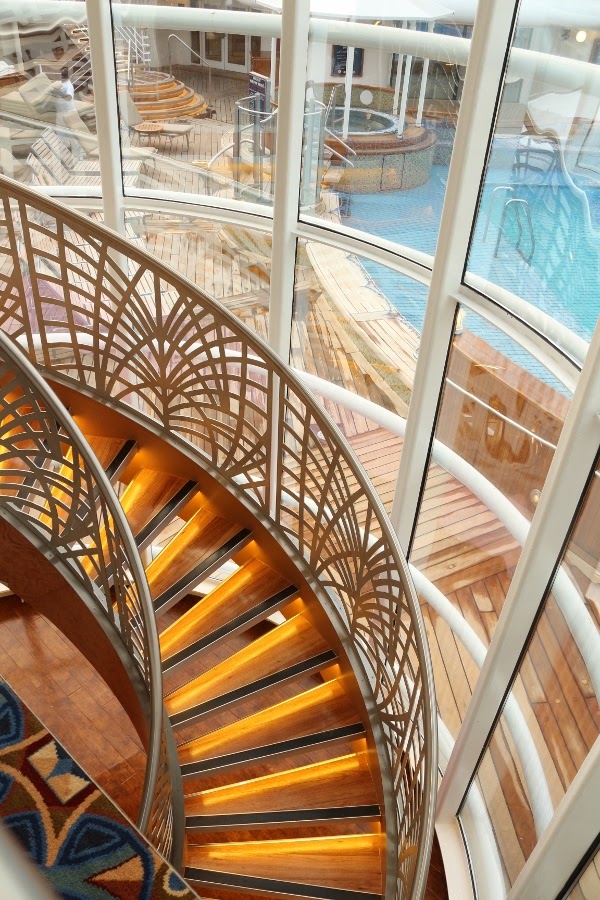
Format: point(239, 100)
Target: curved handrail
point(53, 487)
point(201, 58)
point(195, 374)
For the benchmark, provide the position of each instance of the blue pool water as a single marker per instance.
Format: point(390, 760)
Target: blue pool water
point(555, 266)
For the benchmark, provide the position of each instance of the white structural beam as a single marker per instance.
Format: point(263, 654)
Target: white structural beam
point(290, 125)
point(566, 481)
point(107, 112)
point(405, 86)
point(567, 839)
point(484, 75)
point(424, 76)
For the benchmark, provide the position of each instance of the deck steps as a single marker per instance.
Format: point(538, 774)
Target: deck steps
point(204, 542)
point(328, 868)
point(252, 593)
point(323, 714)
point(335, 790)
point(279, 796)
point(165, 98)
point(290, 650)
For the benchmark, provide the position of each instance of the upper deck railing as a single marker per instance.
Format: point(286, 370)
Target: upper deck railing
point(97, 313)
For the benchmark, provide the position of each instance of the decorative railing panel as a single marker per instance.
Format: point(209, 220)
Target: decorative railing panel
point(54, 490)
point(94, 310)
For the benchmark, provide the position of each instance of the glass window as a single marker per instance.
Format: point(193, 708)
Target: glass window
point(500, 418)
point(357, 324)
point(380, 141)
point(537, 227)
point(550, 720)
point(588, 886)
point(189, 109)
point(47, 113)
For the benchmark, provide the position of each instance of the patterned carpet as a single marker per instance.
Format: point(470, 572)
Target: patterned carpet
point(85, 847)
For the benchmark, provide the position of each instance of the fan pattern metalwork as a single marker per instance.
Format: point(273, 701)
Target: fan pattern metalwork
point(91, 309)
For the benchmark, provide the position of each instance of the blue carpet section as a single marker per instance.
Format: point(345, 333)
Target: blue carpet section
point(80, 841)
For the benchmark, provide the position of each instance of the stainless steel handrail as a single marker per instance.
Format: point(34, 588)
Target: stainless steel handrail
point(82, 525)
point(196, 375)
point(187, 46)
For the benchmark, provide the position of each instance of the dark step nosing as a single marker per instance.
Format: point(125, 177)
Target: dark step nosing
point(305, 667)
point(165, 513)
point(274, 886)
point(283, 817)
point(239, 623)
point(202, 570)
point(253, 754)
point(120, 460)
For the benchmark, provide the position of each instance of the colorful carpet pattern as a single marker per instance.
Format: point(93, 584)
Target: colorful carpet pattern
point(84, 846)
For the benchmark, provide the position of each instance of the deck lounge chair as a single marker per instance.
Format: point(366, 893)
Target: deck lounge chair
point(34, 99)
point(58, 172)
point(133, 120)
point(85, 166)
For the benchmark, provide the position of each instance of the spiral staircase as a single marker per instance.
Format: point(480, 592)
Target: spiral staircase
point(293, 668)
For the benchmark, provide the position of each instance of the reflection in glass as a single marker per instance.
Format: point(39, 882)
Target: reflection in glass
point(537, 228)
point(185, 109)
point(500, 418)
point(47, 114)
point(550, 720)
point(356, 325)
point(229, 262)
point(384, 148)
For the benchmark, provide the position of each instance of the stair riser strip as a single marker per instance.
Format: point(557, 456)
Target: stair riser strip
point(307, 667)
point(285, 817)
point(164, 515)
point(270, 885)
point(121, 460)
point(169, 597)
point(256, 754)
point(251, 617)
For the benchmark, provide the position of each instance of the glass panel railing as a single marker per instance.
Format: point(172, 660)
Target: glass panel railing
point(588, 885)
point(357, 324)
point(549, 722)
point(499, 421)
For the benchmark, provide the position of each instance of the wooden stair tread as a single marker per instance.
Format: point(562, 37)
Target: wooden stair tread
point(323, 707)
point(345, 781)
point(252, 583)
point(201, 536)
point(347, 862)
point(287, 644)
point(147, 493)
point(105, 447)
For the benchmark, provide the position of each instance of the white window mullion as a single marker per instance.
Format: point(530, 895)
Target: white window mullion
point(485, 68)
point(290, 125)
point(567, 839)
point(107, 111)
point(566, 481)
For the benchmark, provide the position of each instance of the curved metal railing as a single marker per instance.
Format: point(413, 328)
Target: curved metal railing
point(54, 490)
point(97, 313)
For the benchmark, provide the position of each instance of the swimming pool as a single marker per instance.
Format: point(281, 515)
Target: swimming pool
point(563, 273)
